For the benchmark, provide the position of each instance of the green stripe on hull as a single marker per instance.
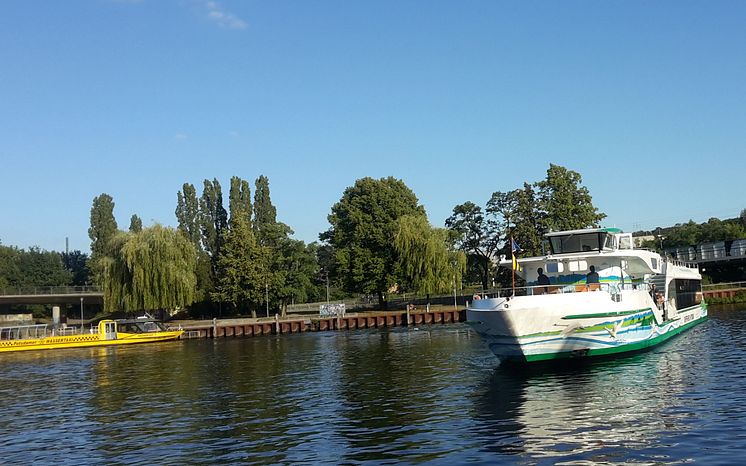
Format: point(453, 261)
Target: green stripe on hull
point(605, 314)
point(642, 345)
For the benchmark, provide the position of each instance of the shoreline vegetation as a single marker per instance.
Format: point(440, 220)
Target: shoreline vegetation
point(243, 261)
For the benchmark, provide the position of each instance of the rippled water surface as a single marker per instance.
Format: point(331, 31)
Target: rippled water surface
point(432, 395)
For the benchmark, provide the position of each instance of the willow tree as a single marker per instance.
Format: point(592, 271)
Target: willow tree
point(149, 270)
point(427, 262)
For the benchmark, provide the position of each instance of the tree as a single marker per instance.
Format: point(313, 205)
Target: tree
point(742, 217)
point(77, 263)
point(135, 224)
point(265, 214)
point(188, 214)
point(102, 230)
point(240, 263)
point(149, 270)
point(427, 263)
point(363, 223)
point(517, 215)
point(476, 236)
point(43, 268)
point(295, 270)
point(565, 204)
point(239, 199)
point(213, 218)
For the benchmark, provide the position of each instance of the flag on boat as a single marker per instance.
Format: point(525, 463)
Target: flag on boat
point(514, 248)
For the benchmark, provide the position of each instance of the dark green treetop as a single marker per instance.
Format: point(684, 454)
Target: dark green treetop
point(564, 203)
point(239, 199)
point(477, 236)
point(363, 224)
point(213, 217)
point(240, 268)
point(188, 214)
point(102, 230)
point(135, 224)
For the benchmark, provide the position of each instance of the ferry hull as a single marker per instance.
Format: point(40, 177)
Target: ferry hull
point(636, 330)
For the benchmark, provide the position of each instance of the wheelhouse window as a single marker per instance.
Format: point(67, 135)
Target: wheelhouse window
point(581, 242)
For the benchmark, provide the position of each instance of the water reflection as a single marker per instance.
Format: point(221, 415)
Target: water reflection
point(432, 395)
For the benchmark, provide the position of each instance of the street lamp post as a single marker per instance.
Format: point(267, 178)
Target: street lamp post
point(81, 315)
point(266, 296)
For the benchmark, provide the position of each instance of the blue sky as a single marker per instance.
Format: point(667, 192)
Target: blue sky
point(647, 100)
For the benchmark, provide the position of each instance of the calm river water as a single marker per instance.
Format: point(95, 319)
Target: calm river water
point(432, 395)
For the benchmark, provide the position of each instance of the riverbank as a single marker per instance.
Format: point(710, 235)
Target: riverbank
point(247, 327)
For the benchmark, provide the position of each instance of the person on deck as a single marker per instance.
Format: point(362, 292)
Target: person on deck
point(543, 279)
point(592, 276)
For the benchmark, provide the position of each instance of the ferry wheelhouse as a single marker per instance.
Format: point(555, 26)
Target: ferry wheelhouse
point(638, 299)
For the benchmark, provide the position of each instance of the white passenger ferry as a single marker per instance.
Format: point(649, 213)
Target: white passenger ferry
point(635, 299)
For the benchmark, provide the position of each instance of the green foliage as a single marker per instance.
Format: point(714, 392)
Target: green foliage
point(739, 297)
point(35, 267)
point(188, 214)
point(239, 199)
point(692, 233)
point(213, 218)
point(555, 203)
point(565, 204)
point(294, 271)
point(427, 263)
point(102, 230)
point(77, 263)
point(241, 277)
point(477, 236)
point(265, 214)
point(135, 224)
point(363, 224)
point(149, 270)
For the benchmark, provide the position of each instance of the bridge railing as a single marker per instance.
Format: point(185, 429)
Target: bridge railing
point(49, 290)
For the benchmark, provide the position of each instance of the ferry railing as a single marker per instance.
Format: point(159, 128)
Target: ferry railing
point(536, 290)
point(23, 332)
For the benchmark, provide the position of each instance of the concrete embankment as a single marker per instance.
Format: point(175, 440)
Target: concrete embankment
point(295, 324)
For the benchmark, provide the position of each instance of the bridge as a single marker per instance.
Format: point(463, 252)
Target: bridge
point(52, 295)
point(711, 252)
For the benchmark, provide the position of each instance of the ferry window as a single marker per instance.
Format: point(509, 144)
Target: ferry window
point(575, 243)
point(555, 267)
point(654, 263)
point(576, 266)
point(625, 242)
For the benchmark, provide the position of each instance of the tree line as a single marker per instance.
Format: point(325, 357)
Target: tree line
point(238, 258)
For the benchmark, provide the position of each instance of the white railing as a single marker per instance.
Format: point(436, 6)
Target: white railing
point(535, 290)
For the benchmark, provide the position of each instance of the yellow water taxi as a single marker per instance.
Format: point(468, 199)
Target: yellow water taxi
point(109, 332)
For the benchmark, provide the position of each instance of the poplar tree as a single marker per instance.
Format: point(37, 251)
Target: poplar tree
point(188, 214)
point(149, 270)
point(135, 224)
point(213, 218)
point(239, 199)
point(240, 268)
point(102, 230)
point(265, 214)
